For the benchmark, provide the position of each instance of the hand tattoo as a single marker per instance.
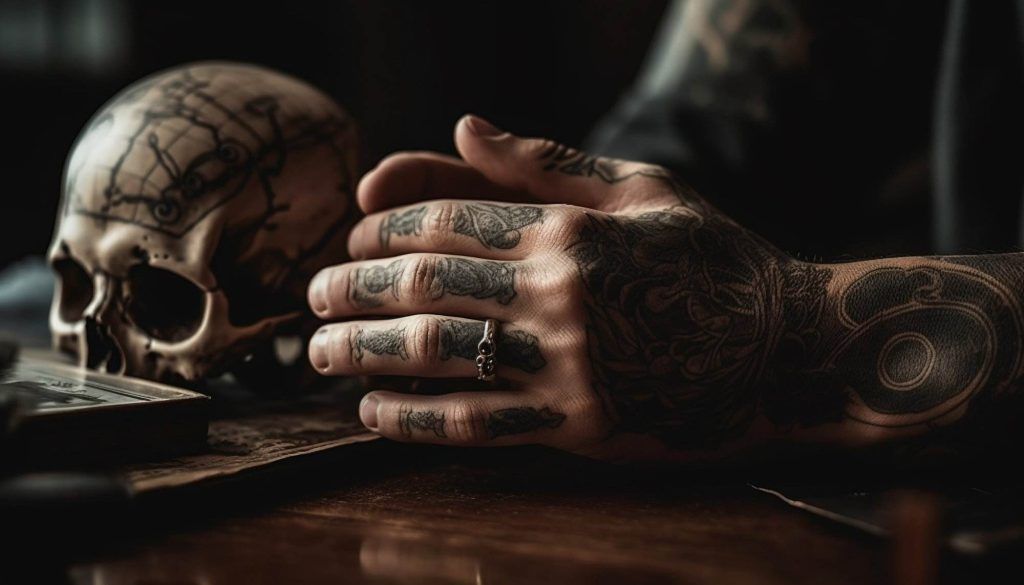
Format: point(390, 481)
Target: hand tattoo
point(513, 421)
point(721, 328)
point(379, 342)
point(495, 226)
point(368, 284)
point(403, 223)
point(517, 349)
point(410, 420)
point(479, 279)
point(703, 303)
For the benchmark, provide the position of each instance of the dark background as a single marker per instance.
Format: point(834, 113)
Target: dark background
point(405, 70)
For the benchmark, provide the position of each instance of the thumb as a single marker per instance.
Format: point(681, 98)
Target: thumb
point(550, 172)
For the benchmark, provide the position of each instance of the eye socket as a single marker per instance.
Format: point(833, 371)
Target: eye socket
point(165, 305)
point(76, 288)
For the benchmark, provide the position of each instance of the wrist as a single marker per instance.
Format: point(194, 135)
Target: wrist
point(795, 392)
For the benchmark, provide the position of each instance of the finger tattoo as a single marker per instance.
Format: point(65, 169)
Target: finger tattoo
point(402, 223)
point(369, 284)
point(475, 278)
point(513, 421)
point(495, 226)
point(570, 161)
point(410, 420)
point(517, 349)
point(379, 342)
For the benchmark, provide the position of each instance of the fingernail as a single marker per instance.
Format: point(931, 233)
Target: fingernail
point(482, 127)
point(368, 411)
point(318, 292)
point(318, 350)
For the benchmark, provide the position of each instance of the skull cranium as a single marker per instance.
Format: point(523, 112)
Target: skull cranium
point(197, 204)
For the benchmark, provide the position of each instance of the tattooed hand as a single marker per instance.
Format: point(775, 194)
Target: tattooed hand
point(637, 321)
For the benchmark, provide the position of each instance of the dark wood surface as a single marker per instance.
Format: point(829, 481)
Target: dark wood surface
point(405, 514)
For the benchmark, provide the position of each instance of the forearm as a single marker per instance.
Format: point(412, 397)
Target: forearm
point(896, 348)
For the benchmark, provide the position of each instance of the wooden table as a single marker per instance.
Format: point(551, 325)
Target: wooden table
point(406, 514)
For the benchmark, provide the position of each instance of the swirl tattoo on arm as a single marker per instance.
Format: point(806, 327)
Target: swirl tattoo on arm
point(913, 342)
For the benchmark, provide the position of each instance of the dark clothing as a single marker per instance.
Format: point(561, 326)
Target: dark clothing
point(840, 129)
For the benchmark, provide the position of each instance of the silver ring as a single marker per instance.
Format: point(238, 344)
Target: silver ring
point(486, 350)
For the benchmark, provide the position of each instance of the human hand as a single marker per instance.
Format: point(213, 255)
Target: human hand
point(636, 321)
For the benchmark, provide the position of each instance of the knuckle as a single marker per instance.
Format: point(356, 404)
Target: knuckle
point(338, 283)
point(441, 224)
point(543, 148)
point(356, 241)
point(397, 159)
point(556, 287)
point(587, 423)
point(421, 278)
point(573, 220)
point(466, 424)
point(586, 404)
point(565, 225)
point(341, 345)
point(427, 340)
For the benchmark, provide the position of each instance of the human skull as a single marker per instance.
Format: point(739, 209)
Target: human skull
point(197, 204)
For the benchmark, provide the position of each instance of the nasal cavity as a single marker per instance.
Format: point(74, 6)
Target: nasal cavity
point(102, 351)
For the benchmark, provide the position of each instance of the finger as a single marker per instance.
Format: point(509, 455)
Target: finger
point(483, 229)
point(466, 418)
point(409, 177)
point(430, 346)
point(419, 283)
point(547, 170)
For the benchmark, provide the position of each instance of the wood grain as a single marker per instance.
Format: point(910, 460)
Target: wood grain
point(405, 514)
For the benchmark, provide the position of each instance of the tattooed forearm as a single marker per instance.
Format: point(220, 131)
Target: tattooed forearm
point(513, 421)
point(379, 342)
point(368, 285)
point(723, 329)
point(517, 349)
point(432, 421)
point(912, 341)
point(495, 226)
point(402, 223)
point(480, 279)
